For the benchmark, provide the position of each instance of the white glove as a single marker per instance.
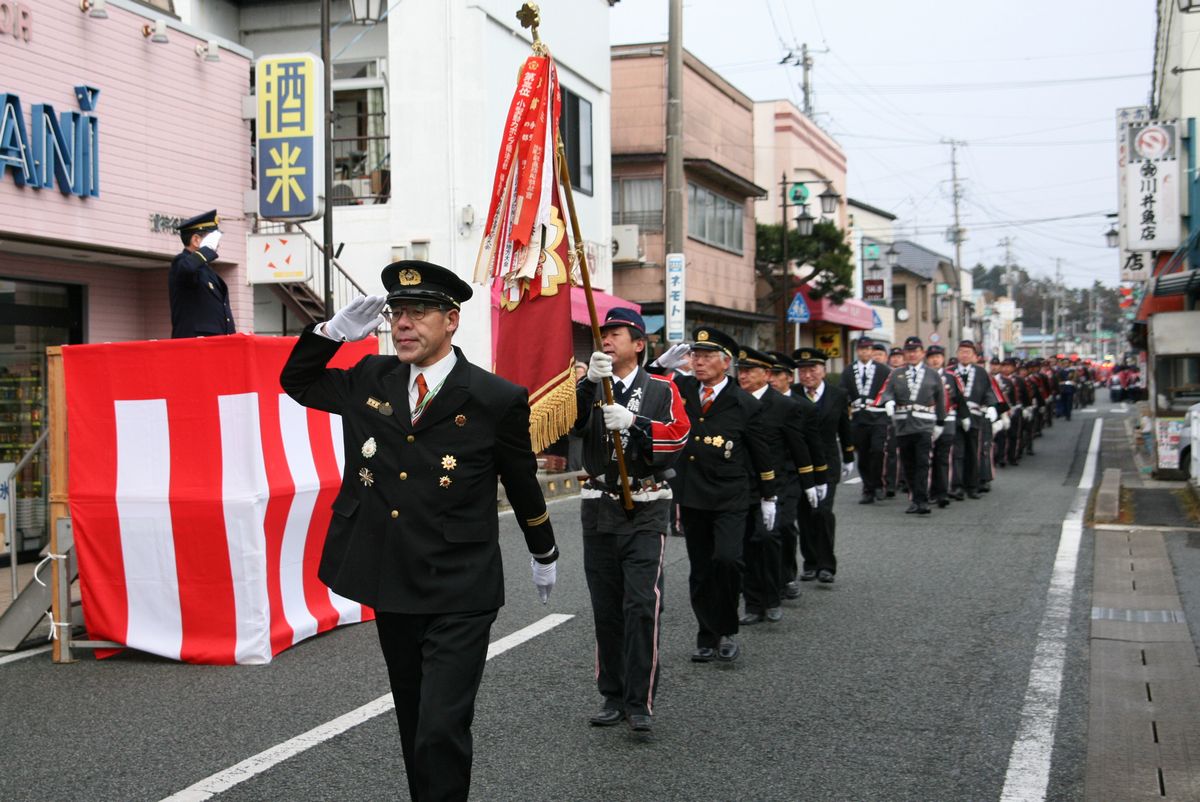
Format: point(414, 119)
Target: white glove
point(673, 357)
point(1000, 425)
point(356, 320)
point(990, 414)
point(846, 468)
point(813, 498)
point(890, 409)
point(599, 367)
point(617, 417)
point(544, 577)
point(1027, 414)
point(211, 240)
point(767, 505)
point(966, 424)
point(822, 490)
point(937, 432)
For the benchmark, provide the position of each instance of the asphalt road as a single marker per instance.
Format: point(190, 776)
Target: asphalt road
point(903, 681)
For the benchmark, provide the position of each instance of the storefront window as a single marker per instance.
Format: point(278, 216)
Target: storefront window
point(35, 315)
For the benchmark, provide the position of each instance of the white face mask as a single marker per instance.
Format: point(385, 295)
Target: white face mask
point(211, 240)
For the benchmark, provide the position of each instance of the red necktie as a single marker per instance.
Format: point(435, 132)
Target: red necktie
point(422, 389)
point(706, 400)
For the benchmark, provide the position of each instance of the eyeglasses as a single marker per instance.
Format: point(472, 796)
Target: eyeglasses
point(415, 311)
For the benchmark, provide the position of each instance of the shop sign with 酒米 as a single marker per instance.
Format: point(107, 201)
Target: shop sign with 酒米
point(291, 136)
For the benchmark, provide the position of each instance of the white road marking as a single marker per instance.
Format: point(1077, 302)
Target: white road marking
point(857, 480)
point(1028, 774)
point(250, 767)
point(15, 656)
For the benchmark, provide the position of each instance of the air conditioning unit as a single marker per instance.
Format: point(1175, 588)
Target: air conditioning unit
point(352, 191)
point(625, 242)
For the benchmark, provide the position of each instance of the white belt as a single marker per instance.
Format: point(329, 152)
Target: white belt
point(924, 415)
point(975, 408)
point(640, 496)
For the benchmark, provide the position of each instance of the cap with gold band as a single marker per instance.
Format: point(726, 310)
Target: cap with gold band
point(752, 358)
point(707, 338)
point(200, 224)
point(414, 280)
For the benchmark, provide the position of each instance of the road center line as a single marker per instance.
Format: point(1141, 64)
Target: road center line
point(1028, 774)
point(250, 767)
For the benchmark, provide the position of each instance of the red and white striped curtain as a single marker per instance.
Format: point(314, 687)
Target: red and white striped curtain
point(200, 496)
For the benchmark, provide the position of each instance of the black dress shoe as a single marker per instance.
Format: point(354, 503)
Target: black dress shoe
point(826, 577)
point(891, 494)
point(791, 590)
point(943, 502)
point(774, 615)
point(607, 717)
point(639, 722)
point(879, 494)
point(986, 487)
point(973, 494)
point(914, 507)
point(750, 618)
point(867, 499)
point(704, 654)
point(923, 509)
point(957, 496)
point(808, 576)
point(728, 651)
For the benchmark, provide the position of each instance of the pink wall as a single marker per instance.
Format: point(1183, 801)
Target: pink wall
point(172, 142)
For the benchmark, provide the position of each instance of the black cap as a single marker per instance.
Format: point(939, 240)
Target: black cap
point(752, 358)
point(933, 350)
point(879, 347)
point(896, 352)
point(809, 356)
point(1011, 361)
point(622, 316)
point(200, 224)
point(710, 339)
point(968, 344)
point(422, 281)
point(995, 360)
point(864, 342)
point(781, 362)
point(913, 343)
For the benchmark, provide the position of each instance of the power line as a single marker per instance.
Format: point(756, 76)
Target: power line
point(984, 86)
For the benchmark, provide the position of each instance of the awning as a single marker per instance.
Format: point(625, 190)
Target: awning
point(851, 313)
point(604, 302)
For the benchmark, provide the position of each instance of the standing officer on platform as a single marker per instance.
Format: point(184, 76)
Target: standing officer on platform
point(784, 425)
point(915, 401)
point(818, 525)
point(868, 424)
point(980, 402)
point(199, 297)
point(727, 447)
point(783, 369)
point(623, 551)
point(414, 532)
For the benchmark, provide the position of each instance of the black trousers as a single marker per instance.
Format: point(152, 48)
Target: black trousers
point(987, 442)
point(435, 664)
point(891, 463)
point(966, 456)
point(1014, 437)
point(941, 465)
point(818, 528)
point(870, 441)
point(714, 546)
point(763, 550)
point(914, 459)
point(625, 580)
point(789, 541)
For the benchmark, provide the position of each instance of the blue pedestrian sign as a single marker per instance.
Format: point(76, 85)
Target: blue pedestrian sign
point(876, 321)
point(798, 311)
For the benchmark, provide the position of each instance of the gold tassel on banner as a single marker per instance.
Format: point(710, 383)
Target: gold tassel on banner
point(554, 412)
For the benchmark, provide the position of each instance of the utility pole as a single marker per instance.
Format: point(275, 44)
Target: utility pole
point(783, 273)
point(1057, 299)
point(957, 233)
point(330, 116)
point(674, 204)
point(1043, 344)
point(806, 64)
point(1010, 275)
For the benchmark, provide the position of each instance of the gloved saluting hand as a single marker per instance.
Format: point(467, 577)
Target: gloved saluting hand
point(599, 367)
point(673, 357)
point(544, 577)
point(617, 417)
point(767, 505)
point(211, 241)
point(356, 320)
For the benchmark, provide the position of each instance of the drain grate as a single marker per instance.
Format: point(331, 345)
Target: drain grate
point(1138, 616)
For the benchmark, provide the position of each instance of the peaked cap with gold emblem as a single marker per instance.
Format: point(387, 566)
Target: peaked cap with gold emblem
point(200, 224)
point(751, 358)
point(423, 281)
point(709, 339)
point(809, 356)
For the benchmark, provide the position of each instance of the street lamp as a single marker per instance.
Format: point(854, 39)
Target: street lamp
point(366, 12)
point(892, 255)
point(804, 220)
point(1112, 237)
point(829, 198)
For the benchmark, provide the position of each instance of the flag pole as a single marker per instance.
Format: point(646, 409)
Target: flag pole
point(530, 17)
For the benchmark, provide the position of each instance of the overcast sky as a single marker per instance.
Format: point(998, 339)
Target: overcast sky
point(1030, 85)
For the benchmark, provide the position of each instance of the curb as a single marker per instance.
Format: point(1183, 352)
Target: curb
point(554, 485)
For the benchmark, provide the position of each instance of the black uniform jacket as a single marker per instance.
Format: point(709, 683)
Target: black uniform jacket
point(862, 407)
point(727, 445)
point(786, 426)
point(812, 434)
point(833, 422)
point(199, 297)
point(414, 528)
point(977, 392)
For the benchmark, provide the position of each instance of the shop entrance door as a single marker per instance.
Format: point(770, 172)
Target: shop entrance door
point(33, 316)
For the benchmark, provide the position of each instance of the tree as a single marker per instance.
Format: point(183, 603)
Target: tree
point(825, 254)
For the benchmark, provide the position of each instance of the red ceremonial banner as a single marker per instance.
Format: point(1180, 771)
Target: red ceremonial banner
point(200, 495)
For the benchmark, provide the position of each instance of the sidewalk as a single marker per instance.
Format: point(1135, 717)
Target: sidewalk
point(1144, 709)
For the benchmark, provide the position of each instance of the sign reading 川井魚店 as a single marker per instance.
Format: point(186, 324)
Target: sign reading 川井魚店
point(1151, 186)
point(290, 129)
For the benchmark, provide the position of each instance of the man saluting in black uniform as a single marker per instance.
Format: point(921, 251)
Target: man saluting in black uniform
point(414, 532)
point(199, 297)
